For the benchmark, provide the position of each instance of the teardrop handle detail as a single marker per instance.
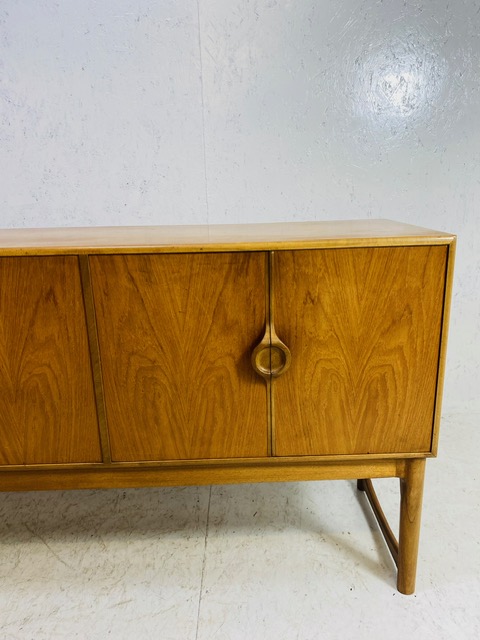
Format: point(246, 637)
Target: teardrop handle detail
point(271, 357)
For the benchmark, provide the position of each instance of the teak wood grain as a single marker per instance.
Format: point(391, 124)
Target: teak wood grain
point(175, 335)
point(47, 407)
point(363, 327)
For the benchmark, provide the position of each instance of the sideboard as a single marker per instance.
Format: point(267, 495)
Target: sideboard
point(143, 356)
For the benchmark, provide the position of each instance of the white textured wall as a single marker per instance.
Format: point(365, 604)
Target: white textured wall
point(185, 111)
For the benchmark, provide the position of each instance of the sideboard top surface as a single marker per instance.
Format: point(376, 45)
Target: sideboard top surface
point(208, 238)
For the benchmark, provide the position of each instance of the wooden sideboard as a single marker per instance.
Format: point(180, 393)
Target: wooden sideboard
point(143, 356)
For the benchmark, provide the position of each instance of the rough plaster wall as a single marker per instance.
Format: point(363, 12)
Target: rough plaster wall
point(140, 112)
point(101, 115)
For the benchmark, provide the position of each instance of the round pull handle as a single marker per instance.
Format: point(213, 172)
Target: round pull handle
point(271, 360)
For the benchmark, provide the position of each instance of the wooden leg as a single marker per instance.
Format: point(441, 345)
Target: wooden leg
point(405, 551)
point(411, 492)
point(361, 485)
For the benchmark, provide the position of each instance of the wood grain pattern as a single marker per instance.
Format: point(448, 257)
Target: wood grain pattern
point(363, 326)
point(47, 408)
point(227, 237)
point(175, 334)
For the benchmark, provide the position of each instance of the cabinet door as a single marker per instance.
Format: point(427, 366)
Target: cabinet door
point(176, 332)
point(363, 327)
point(47, 405)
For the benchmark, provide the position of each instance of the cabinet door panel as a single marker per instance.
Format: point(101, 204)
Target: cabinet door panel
point(363, 327)
point(176, 332)
point(47, 405)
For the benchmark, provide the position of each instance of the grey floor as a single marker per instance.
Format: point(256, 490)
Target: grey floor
point(274, 561)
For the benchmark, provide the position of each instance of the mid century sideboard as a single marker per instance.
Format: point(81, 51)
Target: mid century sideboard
point(143, 356)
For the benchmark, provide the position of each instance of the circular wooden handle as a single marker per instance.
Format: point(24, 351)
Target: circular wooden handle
point(271, 360)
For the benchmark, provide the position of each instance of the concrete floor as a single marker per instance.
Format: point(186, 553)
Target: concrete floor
point(275, 561)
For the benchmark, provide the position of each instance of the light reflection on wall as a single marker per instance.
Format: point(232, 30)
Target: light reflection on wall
point(402, 91)
point(398, 85)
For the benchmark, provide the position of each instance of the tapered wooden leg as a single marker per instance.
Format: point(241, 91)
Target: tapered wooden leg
point(411, 492)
